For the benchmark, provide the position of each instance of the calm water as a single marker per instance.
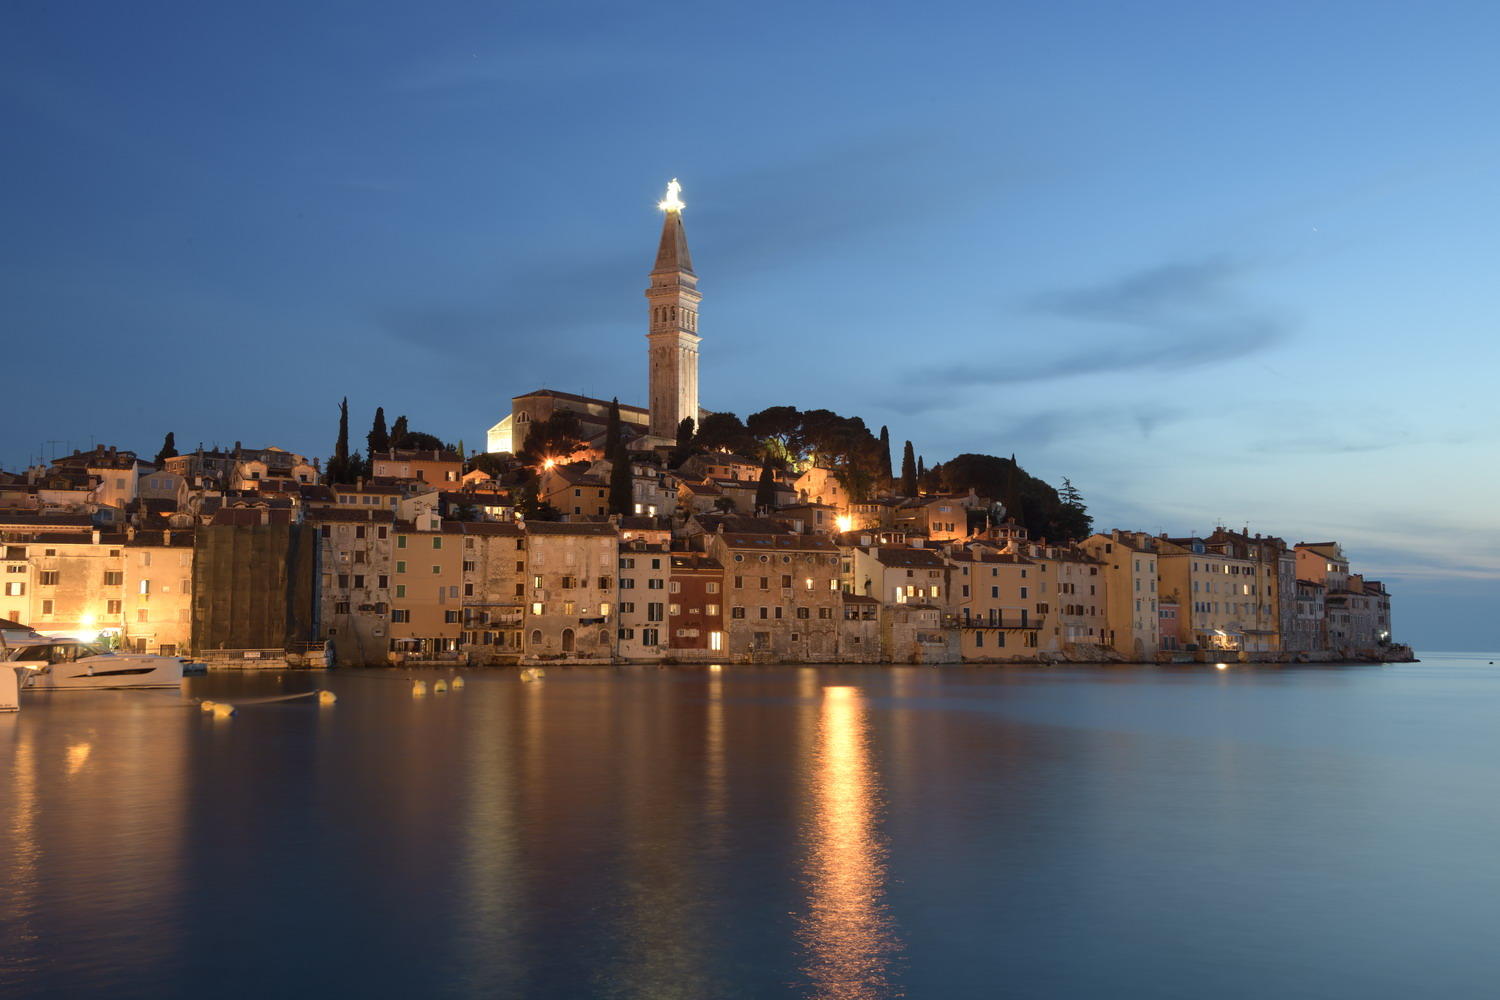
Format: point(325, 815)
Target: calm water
point(764, 832)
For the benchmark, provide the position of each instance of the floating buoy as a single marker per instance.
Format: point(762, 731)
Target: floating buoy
point(458, 684)
point(439, 686)
point(222, 710)
point(418, 689)
point(533, 674)
point(206, 705)
point(327, 697)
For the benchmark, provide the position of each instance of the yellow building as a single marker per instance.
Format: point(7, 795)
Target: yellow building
point(158, 591)
point(992, 597)
point(1127, 563)
point(426, 585)
point(1214, 588)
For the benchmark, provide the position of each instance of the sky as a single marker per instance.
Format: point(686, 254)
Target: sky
point(1216, 263)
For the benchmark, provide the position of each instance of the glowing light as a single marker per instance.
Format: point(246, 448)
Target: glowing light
point(844, 522)
point(78, 755)
point(672, 203)
point(87, 621)
point(1221, 666)
point(846, 933)
point(548, 463)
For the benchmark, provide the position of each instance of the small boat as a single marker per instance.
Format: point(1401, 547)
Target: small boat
point(68, 665)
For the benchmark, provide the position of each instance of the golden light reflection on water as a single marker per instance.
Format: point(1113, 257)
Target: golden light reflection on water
point(78, 755)
point(847, 933)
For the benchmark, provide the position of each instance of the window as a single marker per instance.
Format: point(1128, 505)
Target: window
point(142, 615)
point(400, 541)
point(675, 588)
point(341, 607)
point(737, 612)
point(674, 609)
point(400, 566)
point(400, 590)
point(48, 578)
point(112, 607)
point(399, 615)
point(716, 641)
point(436, 568)
point(654, 612)
point(450, 617)
point(649, 637)
point(47, 607)
point(655, 584)
point(802, 613)
point(437, 543)
point(536, 609)
point(114, 579)
point(712, 609)
point(627, 607)
point(15, 589)
point(713, 587)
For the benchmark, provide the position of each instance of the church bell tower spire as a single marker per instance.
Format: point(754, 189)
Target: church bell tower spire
point(673, 329)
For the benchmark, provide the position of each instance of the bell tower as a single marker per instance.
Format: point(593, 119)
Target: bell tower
point(673, 331)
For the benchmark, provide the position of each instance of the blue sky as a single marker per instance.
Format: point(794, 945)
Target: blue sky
point(1216, 263)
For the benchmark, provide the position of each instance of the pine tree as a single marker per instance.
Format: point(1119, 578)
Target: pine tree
point(168, 449)
point(379, 439)
point(1074, 519)
point(885, 453)
point(908, 471)
point(765, 492)
point(399, 431)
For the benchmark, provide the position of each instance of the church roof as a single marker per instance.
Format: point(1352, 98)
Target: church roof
point(672, 254)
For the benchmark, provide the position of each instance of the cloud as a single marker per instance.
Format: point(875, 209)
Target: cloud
point(1173, 317)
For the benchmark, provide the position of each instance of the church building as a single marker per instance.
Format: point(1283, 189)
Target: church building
point(672, 352)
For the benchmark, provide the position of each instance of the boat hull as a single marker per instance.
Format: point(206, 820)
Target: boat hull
point(121, 673)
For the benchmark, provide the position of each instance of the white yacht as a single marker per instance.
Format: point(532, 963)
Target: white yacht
point(68, 664)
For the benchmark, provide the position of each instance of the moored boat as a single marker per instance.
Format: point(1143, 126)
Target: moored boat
point(68, 664)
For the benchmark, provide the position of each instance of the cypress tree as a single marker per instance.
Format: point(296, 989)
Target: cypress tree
point(338, 465)
point(921, 468)
point(398, 433)
point(612, 432)
point(885, 453)
point(765, 492)
point(379, 439)
point(168, 449)
point(684, 441)
point(621, 498)
point(908, 471)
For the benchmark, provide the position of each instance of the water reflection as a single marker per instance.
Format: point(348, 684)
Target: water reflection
point(847, 933)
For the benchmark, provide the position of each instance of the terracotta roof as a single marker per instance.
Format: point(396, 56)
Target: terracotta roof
point(505, 528)
point(554, 394)
point(858, 599)
point(368, 515)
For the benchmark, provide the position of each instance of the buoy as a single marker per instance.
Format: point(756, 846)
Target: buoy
point(206, 705)
point(439, 686)
point(532, 674)
point(418, 689)
point(458, 684)
point(327, 697)
point(222, 710)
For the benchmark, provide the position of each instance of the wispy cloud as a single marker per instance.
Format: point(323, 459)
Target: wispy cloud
point(1173, 317)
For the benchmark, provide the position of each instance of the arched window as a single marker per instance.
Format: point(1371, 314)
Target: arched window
point(674, 312)
point(603, 637)
point(567, 638)
point(536, 637)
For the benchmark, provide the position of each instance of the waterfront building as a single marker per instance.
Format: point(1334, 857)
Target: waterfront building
point(1211, 588)
point(571, 591)
point(695, 607)
point(157, 568)
point(1127, 567)
point(426, 579)
point(61, 576)
point(645, 569)
point(783, 595)
point(1310, 623)
point(495, 574)
point(991, 596)
point(354, 582)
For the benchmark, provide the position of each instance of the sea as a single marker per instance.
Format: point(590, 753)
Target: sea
point(762, 831)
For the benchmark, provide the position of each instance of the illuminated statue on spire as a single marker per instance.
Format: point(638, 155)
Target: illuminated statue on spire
point(672, 203)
